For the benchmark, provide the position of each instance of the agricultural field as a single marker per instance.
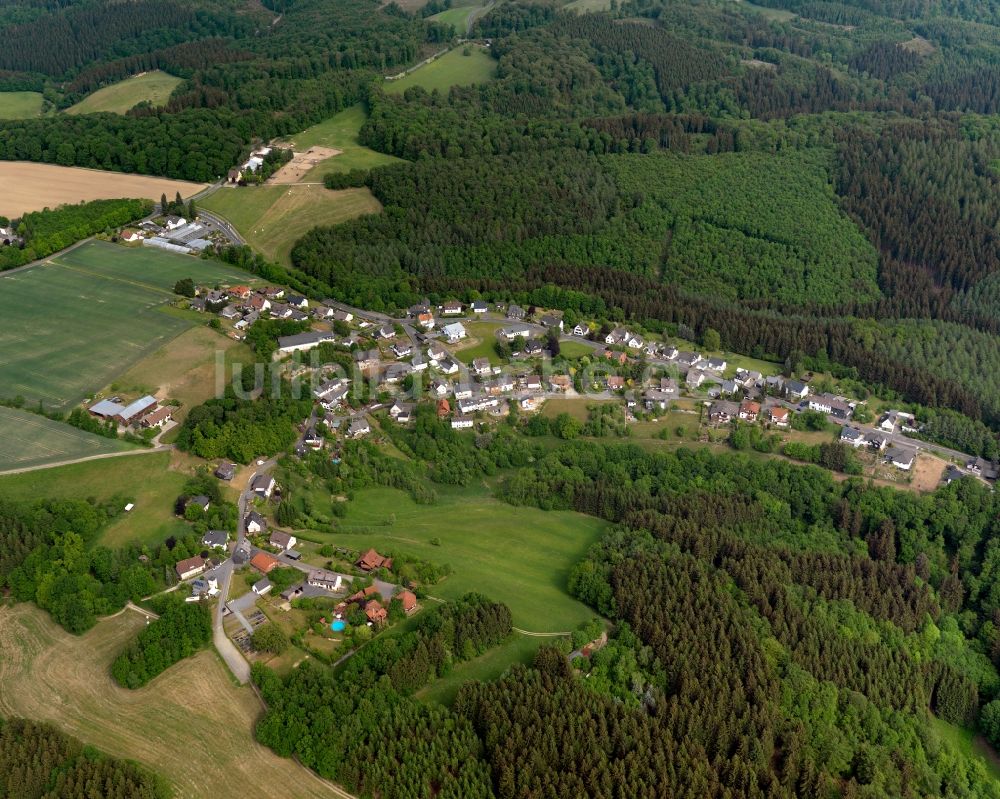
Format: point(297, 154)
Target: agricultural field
point(340, 132)
point(151, 480)
point(154, 87)
point(452, 69)
point(20, 105)
point(74, 324)
point(520, 556)
point(191, 724)
point(32, 187)
point(273, 218)
point(28, 440)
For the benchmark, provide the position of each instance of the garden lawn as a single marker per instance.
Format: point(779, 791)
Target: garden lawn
point(20, 105)
point(154, 87)
point(520, 556)
point(152, 481)
point(27, 439)
point(74, 324)
point(341, 132)
point(451, 69)
point(273, 218)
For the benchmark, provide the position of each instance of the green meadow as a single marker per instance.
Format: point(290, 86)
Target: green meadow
point(452, 69)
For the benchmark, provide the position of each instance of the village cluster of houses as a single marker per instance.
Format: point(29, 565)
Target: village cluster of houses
point(251, 165)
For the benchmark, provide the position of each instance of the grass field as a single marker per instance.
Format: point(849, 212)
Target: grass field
point(970, 745)
point(521, 556)
point(340, 132)
point(451, 69)
point(519, 649)
point(458, 16)
point(75, 324)
point(191, 724)
point(575, 349)
point(273, 218)
point(583, 6)
point(156, 87)
point(153, 481)
point(20, 105)
point(27, 439)
point(32, 187)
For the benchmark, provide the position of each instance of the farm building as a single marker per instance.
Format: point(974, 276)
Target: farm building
point(190, 567)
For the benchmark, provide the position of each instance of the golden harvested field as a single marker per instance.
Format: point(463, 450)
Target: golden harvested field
point(191, 723)
point(32, 187)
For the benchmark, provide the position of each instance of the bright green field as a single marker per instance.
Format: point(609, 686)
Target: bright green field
point(458, 17)
point(147, 480)
point(520, 556)
point(341, 132)
point(156, 87)
point(519, 649)
point(273, 218)
point(969, 745)
point(20, 105)
point(73, 324)
point(451, 69)
point(27, 439)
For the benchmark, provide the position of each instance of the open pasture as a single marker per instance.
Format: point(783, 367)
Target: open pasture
point(20, 105)
point(28, 440)
point(520, 556)
point(273, 218)
point(339, 132)
point(73, 324)
point(32, 187)
point(191, 724)
point(154, 87)
point(452, 69)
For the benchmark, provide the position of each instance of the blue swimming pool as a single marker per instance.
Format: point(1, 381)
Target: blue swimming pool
point(338, 625)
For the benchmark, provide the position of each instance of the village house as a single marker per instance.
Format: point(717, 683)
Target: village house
point(670, 352)
point(829, 404)
point(226, 471)
point(359, 427)
point(370, 560)
point(778, 416)
point(668, 386)
point(322, 312)
point(367, 360)
point(462, 422)
point(901, 457)
point(190, 567)
point(326, 581)
point(723, 411)
point(533, 347)
point(259, 303)
point(688, 359)
point(128, 236)
point(282, 540)
point(199, 501)
point(462, 391)
point(408, 600)
point(451, 308)
point(454, 332)
point(614, 355)
point(618, 336)
point(481, 366)
point(262, 586)
point(514, 331)
point(331, 391)
point(215, 539)
point(375, 612)
point(274, 292)
point(876, 440)
point(443, 408)
point(694, 378)
point(418, 362)
point(549, 320)
point(749, 410)
point(402, 412)
point(426, 320)
point(635, 342)
point(533, 382)
point(262, 485)
point(716, 365)
point(264, 562)
point(615, 382)
point(851, 436)
point(560, 383)
point(448, 366)
point(396, 373)
point(298, 302)
point(254, 522)
point(157, 418)
point(342, 316)
point(402, 348)
point(656, 400)
point(480, 307)
point(516, 312)
point(386, 331)
point(301, 342)
point(796, 389)
point(580, 330)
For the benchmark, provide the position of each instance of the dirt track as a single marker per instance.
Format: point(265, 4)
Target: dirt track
point(301, 163)
point(32, 187)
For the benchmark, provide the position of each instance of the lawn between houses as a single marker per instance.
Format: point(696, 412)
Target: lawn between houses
point(74, 324)
point(519, 556)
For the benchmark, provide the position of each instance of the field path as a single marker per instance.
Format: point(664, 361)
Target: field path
point(161, 448)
